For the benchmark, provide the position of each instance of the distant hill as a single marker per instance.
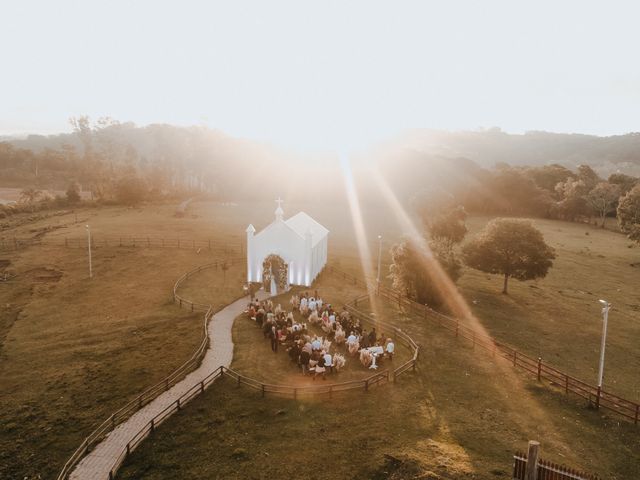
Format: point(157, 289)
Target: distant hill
point(618, 153)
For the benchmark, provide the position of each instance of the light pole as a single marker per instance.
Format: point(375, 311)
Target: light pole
point(89, 247)
point(605, 318)
point(379, 259)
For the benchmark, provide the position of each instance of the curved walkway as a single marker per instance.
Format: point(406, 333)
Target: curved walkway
point(99, 462)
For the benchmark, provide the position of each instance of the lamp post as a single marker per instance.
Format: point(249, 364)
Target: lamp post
point(379, 259)
point(605, 318)
point(89, 248)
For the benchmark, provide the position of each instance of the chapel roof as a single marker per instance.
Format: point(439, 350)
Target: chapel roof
point(301, 223)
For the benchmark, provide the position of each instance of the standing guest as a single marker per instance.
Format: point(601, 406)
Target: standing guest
point(390, 348)
point(373, 337)
point(364, 341)
point(304, 360)
point(274, 339)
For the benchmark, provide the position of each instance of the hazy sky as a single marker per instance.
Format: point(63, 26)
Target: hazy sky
point(325, 73)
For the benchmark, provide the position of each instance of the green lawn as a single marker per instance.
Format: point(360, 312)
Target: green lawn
point(459, 416)
point(559, 318)
point(72, 351)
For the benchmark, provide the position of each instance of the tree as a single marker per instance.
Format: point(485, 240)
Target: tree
point(30, 196)
point(573, 204)
point(131, 191)
point(414, 270)
point(588, 176)
point(602, 199)
point(513, 248)
point(625, 182)
point(548, 176)
point(629, 214)
point(73, 193)
point(449, 228)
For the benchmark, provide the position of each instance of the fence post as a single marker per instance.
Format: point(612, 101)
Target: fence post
point(128, 450)
point(532, 461)
point(262, 388)
point(425, 312)
point(152, 425)
point(599, 391)
point(202, 386)
point(178, 404)
point(539, 367)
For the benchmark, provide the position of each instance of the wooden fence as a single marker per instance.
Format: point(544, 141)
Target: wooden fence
point(228, 247)
point(137, 403)
point(535, 367)
point(194, 306)
point(547, 470)
point(265, 388)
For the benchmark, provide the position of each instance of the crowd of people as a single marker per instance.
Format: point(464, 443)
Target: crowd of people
point(312, 352)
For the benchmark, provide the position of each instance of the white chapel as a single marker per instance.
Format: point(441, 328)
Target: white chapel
point(286, 252)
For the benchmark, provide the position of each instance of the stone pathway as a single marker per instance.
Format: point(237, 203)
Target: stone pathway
point(97, 464)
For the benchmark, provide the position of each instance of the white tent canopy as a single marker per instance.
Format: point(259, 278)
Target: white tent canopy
point(300, 242)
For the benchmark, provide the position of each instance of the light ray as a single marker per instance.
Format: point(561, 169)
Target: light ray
point(358, 223)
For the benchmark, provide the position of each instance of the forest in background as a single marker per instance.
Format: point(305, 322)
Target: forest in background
point(571, 177)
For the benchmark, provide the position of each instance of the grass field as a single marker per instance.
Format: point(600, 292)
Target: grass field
point(558, 318)
point(72, 351)
point(459, 416)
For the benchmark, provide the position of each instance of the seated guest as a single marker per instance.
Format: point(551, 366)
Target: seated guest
point(328, 361)
point(314, 318)
point(353, 344)
point(320, 368)
point(316, 344)
point(338, 361)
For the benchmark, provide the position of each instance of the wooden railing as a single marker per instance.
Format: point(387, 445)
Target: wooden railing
point(536, 367)
point(153, 392)
point(195, 306)
point(265, 388)
point(227, 247)
point(137, 403)
point(547, 470)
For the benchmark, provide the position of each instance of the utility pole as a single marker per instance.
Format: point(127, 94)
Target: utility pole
point(89, 247)
point(379, 259)
point(605, 318)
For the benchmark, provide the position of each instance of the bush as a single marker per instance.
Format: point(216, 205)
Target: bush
point(131, 191)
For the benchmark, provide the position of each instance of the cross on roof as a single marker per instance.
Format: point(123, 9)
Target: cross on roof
point(279, 202)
